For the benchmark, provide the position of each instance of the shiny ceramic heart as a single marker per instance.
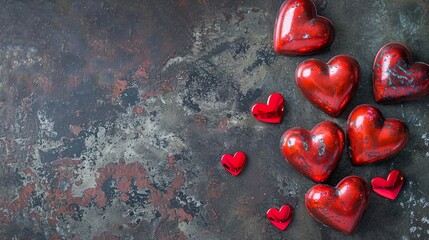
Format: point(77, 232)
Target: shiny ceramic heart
point(234, 164)
point(388, 188)
point(298, 29)
point(316, 153)
point(328, 86)
point(396, 78)
point(272, 112)
point(373, 138)
point(280, 219)
point(340, 207)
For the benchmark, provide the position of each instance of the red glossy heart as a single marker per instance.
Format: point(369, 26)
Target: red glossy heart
point(340, 208)
point(298, 29)
point(272, 112)
point(234, 164)
point(280, 219)
point(388, 188)
point(373, 138)
point(396, 78)
point(328, 86)
point(316, 153)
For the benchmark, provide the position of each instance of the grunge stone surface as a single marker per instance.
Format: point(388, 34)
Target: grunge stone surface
point(114, 116)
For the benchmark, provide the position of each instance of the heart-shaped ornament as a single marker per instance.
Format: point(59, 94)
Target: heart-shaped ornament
point(373, 138)
point(298, 29)
point(272, 112)
point(280, 218)
point(340, 207)
point(234, 164)
point(316, 153)
point(328, 86)
point(396, 78)
point(390, 187)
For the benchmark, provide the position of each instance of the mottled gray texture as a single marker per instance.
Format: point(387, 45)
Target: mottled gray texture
point(114, 117)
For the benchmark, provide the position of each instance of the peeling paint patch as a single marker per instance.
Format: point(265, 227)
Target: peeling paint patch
point(425, 138)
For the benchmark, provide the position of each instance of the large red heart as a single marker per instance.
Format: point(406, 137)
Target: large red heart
point(234, 164)
point(299, 30)
point(340, 208)
point(282, 218)
point(373, 138)
point(388, 188)
point(316, 153)
point(272, 112)
point(396, 77)
point(328, 86)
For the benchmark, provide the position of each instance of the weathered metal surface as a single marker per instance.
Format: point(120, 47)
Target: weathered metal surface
point(114, 116)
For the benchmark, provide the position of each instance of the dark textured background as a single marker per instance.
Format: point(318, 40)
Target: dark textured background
point(114, 116)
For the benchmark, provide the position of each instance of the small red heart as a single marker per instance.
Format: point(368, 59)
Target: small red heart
point(340, 208)
point(298, 29)
point(373, 138)
point(272, 112)
point(328, 86)
point(316, 153)
point(396, 78)
point(280, 219)
point(234, 164)
point(388, 188)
